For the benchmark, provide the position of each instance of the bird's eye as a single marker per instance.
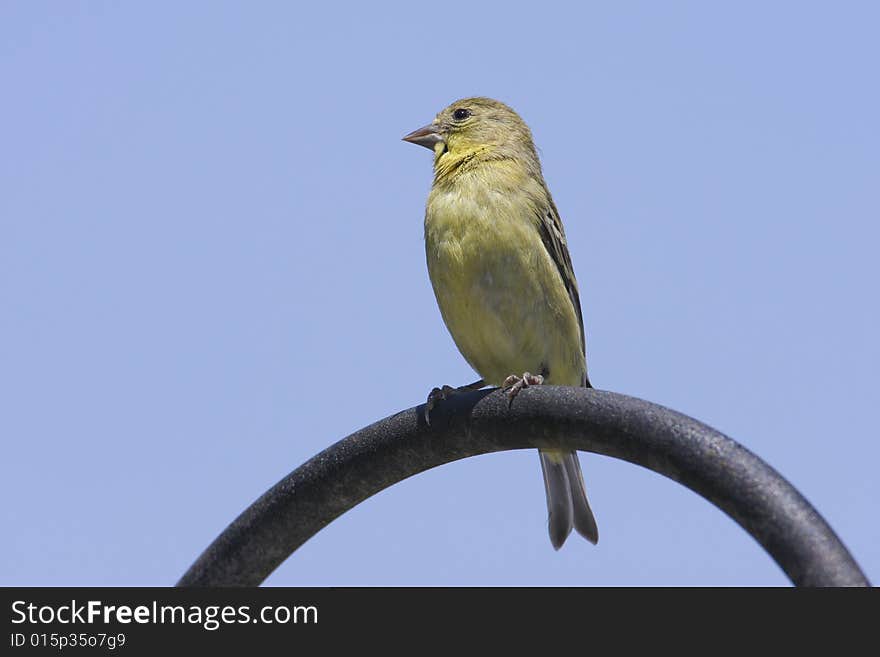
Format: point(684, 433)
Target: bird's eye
point(461, 114)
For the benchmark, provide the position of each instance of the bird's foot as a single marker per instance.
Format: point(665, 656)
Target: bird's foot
point(513, 384)
point(445, 392)
point(437, 394)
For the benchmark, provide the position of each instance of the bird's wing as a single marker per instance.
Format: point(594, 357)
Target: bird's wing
point(553, 236)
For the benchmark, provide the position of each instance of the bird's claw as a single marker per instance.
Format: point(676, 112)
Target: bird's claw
point(437, 394)
point(514, 384)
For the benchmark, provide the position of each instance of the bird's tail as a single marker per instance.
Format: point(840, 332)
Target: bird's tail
point(567, 504)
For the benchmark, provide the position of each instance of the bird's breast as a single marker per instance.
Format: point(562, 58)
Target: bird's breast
point(497, 288)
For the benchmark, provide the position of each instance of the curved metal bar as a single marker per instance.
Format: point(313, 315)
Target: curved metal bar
point(468, 424)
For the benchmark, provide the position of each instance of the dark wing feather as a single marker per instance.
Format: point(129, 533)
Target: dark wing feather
point(553, 236)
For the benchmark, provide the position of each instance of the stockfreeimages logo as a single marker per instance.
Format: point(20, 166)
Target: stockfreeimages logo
point(210, 617)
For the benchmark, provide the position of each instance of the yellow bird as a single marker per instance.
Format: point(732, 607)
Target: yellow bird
point(502, 275)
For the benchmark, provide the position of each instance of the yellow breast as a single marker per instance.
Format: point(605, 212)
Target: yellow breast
point(499, 291)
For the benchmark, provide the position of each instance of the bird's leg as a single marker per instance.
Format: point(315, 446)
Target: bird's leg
point(439, 394)
point(513, 384)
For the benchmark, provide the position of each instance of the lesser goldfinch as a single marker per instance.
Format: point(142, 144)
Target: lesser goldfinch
point(502, 275)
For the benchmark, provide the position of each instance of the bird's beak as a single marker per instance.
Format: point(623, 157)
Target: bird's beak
point(428, 137)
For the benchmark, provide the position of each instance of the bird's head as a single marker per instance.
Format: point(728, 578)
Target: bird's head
point(473, 125)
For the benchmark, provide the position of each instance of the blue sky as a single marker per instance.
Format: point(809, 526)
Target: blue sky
point(211, 268)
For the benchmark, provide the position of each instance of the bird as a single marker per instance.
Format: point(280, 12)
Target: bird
point(503, 278)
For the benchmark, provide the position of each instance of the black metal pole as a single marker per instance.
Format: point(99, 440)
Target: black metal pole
point(389, 451)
